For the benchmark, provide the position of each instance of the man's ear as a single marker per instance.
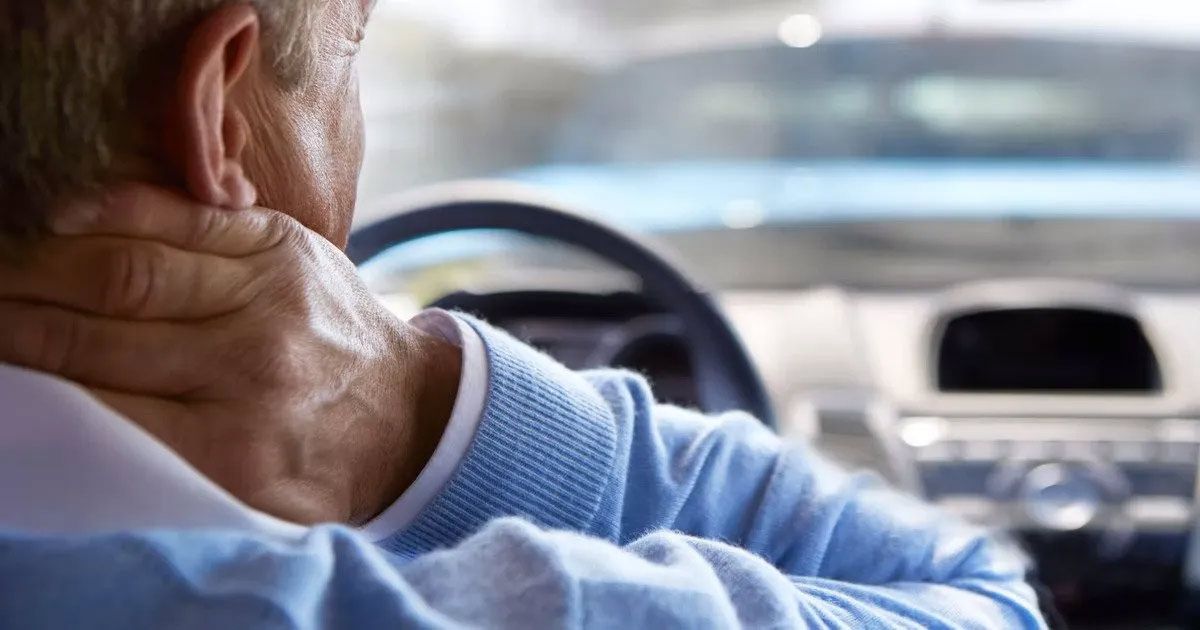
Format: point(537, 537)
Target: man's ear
point(206, 133)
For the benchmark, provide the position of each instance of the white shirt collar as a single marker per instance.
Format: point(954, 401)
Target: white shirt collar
point(69, 465)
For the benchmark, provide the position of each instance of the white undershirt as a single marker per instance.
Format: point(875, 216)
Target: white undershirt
point(69, 465)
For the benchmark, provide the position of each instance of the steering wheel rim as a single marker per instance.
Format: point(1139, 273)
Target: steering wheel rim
point(727, 379)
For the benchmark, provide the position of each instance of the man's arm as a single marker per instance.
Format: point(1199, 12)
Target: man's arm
point(511, 575)
point(845, 539)
point(595, 454)
point(729, 478)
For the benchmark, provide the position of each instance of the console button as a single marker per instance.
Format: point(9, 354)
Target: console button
point(1060, 497)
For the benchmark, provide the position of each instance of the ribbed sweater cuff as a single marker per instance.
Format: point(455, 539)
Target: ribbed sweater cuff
point(543, 450)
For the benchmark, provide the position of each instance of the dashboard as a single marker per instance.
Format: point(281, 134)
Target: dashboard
point(1066, 412)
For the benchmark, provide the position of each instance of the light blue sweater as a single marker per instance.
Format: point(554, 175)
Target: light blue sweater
point(580, 504)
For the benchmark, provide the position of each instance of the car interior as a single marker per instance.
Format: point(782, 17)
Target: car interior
point(955, 243)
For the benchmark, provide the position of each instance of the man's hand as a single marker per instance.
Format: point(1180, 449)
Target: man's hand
point(243, 341)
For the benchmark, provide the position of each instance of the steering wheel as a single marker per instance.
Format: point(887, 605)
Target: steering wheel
point(726, 379)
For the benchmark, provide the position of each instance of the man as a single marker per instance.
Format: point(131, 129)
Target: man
point(501, 489)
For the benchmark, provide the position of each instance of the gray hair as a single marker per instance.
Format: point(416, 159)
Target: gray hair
point(73, 77)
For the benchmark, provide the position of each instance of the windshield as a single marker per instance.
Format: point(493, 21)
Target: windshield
point(725, 125)
point(891, 98)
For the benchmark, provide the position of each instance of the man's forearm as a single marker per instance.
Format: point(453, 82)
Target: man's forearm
point(511, 575)
point(598, 456)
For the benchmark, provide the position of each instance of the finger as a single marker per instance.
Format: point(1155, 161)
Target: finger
point(130, 279)
point(154, 358)
point(148, 212)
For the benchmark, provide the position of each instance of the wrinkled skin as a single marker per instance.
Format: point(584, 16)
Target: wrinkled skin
point(241, 338)
point(243, 341)
point(304, 148)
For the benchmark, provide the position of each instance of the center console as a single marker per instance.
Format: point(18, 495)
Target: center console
point(1105, 504)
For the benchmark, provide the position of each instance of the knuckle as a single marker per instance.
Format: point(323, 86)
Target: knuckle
point(280, 230)
point(292, 295)
point(248, 288)
point(133, 280)
point(285, 367)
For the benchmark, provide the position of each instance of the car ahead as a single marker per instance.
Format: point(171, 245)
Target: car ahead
point(885, 129)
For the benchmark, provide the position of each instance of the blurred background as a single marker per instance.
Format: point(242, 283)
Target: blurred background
point(464, 88)
point(958, 237)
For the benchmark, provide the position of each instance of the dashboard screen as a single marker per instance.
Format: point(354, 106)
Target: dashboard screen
point(1057, 350)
